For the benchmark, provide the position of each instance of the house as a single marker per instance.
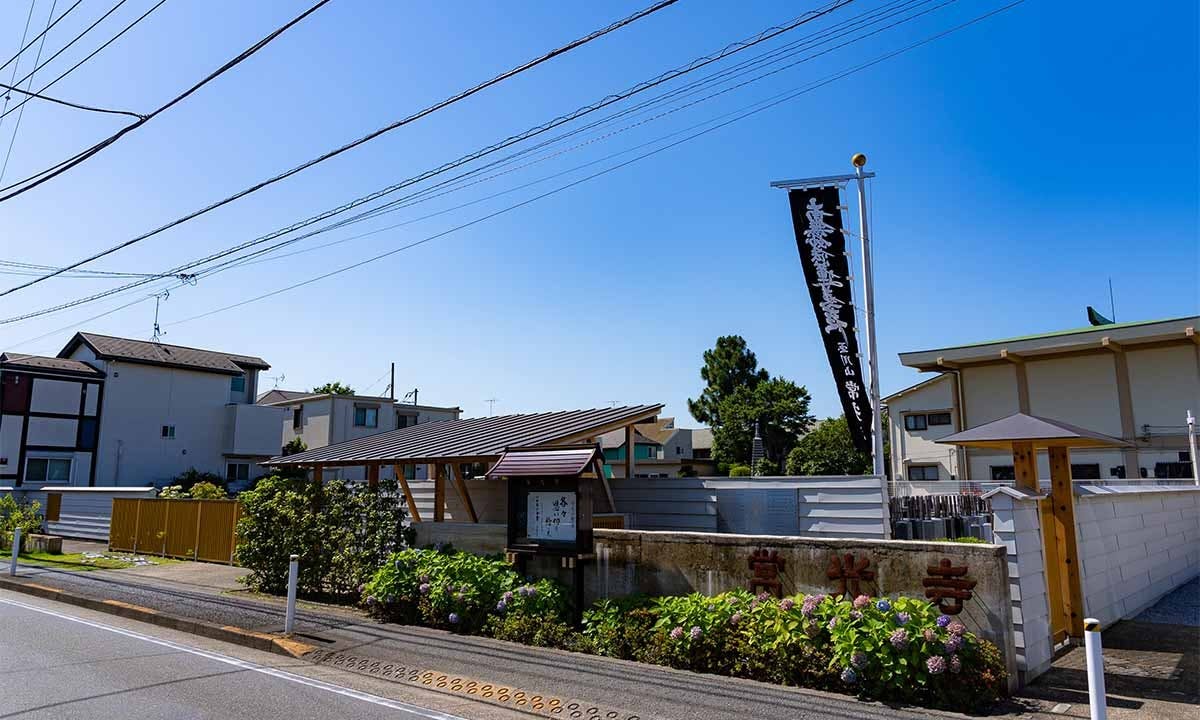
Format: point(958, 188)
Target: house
point(1134, 381)
point(661, 450)
point(321, 419)
point(111, 411)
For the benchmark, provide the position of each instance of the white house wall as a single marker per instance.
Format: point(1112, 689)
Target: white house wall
point(56, 432)
point(11, 429)
point(919, 447)
point(55, 396)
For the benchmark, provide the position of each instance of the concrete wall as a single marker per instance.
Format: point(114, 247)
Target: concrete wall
point(1135, 544)
point(1017, 527)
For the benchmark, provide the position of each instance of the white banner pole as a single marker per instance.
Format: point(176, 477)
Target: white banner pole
point(859, 160)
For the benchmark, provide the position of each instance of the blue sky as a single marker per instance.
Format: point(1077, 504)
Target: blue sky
point(1022, 162)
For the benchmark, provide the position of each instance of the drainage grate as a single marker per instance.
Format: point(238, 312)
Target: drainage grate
point(543, 704)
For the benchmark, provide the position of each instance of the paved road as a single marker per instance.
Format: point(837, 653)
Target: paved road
point(59, 665)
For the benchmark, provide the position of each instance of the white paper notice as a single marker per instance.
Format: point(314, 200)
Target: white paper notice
point(551, 516)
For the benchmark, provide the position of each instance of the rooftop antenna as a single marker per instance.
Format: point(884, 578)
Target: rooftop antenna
point(612, 403)
point(1112, 305)
point(392, 384)
point(491, 406)
point(158, 333)
point(412, 394)
point(277, 379)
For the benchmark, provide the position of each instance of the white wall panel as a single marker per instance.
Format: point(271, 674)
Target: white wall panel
point(55, 396)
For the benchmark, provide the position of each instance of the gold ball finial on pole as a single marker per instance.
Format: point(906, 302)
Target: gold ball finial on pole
point(859, 160)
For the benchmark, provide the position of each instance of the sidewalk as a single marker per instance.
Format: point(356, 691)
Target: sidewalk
point(549, 683)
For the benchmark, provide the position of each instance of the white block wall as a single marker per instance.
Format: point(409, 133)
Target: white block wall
point(1136, 544)
point(1018, 528)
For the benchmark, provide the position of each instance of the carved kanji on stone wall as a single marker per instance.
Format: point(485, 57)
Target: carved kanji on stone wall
point(947, 587)
point(766, 566)
point(849, 573)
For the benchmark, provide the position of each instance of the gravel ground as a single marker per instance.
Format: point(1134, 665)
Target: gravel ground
point(1179, 607)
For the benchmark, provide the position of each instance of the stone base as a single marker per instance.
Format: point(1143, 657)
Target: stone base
point(51, 544)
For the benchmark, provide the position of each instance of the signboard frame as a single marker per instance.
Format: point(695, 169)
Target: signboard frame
point(519, 540)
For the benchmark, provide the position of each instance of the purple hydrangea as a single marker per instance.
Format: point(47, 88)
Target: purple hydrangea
point(817, 599)
point(936, 665)
point(883, 605)
point(955, 664)
point(453, 618)
point(832, 623)
point(361, 589)
point(861, 602)
point(943, 621)
point(902, 618)
point(930, 635)
point(787, 604)
point(764, 596)
point(809, 606)
point(954, 644)
point(371, 600)
point(849, 676)
point(676, 633)
point(695, 632)
point(507, 597)
point(736, 619)
point(899, 638)
point(856, 615)
point(423, 589)
point(501, 606)
point(957, 629)
point(532, 591)
point(859, 659)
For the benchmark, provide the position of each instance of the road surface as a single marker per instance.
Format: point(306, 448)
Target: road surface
point(62, 662)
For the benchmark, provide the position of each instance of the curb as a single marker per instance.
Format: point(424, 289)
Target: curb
point(225, 633)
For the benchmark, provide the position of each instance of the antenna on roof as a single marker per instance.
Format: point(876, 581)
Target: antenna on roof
point(412, 394)
point(491, 406)
point(158, 333)
point(1112, 305)
point(612, 403)
point(278, 379)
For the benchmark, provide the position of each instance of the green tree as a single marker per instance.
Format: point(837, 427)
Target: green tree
point(728, 366)
point(294, 446)
point(333, 388)
point(828, 450)
point(778, 405)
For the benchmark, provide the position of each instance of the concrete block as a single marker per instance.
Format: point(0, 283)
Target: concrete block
point(1125, 524)
point(1130, 555)
point(1141, 536)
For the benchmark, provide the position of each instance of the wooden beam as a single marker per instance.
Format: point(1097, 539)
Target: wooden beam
point(318, 472)
point(1191, 334)
point(1025, 467)
point(630, 449)
point(1010, 356)
point(1063, 499)
point(408, 496)
point(373, 475)
point(1110, 344)
point(612, 504)
point(1129, 456)
point(439, 492)
point(461, 485)
point(943, 363)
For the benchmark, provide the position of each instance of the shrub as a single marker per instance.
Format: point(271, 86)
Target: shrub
point(207, 491)
point(172, 492)
point(534, 630)
point(768, 467)
point(342, 532)
point(190, 477)
point(295, 445)
point(738, 470)
point(24, 515)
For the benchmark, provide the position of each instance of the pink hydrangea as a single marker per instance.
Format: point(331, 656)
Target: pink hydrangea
point(930, 635)
point(957, 628)
point(696, 632)
point(936, 665)
point(676, 633)
point(787, 604)
point(736, 619)
point(861, 602)
point(899, 638)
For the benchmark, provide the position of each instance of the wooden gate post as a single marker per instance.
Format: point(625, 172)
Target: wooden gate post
point(1062, 498)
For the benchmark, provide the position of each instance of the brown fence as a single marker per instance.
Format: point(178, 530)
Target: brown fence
point(194, 529)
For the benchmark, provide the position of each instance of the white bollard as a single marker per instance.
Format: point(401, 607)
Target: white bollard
point(1095, 668)
point(16, 549)
point(289, 622)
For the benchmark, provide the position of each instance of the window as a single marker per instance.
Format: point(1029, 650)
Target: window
point(168, 431)
point(237, 384)
point(87, 433)
point(914, 422)
point(52, 470)
point(926, 473)
point(678, 449)
point(1185, 456)
point(237, 471)
point(298, 417)
point(403, 421)
point(1117, 471)
point(939, 418)
point(1172, 470)
point(366, 417)
point(1085, 471)
point(1003, 472)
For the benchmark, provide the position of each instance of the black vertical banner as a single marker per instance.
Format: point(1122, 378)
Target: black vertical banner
point(817, 220)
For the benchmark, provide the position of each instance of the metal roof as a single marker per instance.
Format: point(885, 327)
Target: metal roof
point(523, 462)
point(19, 361)
point(471, 438)
point(1042, 432)
point(107, 347)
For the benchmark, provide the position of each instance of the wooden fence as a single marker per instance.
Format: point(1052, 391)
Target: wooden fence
point(193, 529)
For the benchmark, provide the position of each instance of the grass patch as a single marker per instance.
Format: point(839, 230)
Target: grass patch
point(79, 561)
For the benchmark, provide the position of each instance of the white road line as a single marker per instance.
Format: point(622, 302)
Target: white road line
point(247, 665)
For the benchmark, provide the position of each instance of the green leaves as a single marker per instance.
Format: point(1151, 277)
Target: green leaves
point(828, 450)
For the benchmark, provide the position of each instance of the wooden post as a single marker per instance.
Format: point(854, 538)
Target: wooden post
point(630, 449)
point(408, 496)
point(1062, 496)
point(1025, 467)
point(318, 473)
point(137, 523)
point(608, 493)
point(373, 475)
point(439, 492)
point(461, 485)
point(196, 545)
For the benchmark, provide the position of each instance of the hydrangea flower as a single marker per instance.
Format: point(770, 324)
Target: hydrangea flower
point(787, 604)
point(883, 605)
point(732, 600)
point(696, 632)
point(957, 628)
point(810, 605)
point(832, 623)
point(453, 618)
point(818, 599)
point(955, 664)
point(736, 619)
point(501, 606)
point(849, 676)
point(676, 633)
point(861, 602)
point(361, 589)
point(930, 635)
point(507, 597)
point(532, 591)
point(423, 589)
point(936, 665)
point(856, 615)
point(371, 600)
point(954, 644)
point(899, 638)
point(902, 618)
point(943, 621)
point(859, 659)
point(764, 596)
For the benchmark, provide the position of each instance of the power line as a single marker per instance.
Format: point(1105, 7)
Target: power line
point(44, 176)
point(532, 132)
point(20, 115)
point(24, 34)
point(39, 35)
point(348, 146)
point(59, 101)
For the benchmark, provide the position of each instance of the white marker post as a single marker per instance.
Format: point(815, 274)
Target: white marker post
point(289, 622)
point(16, 549)
point(1095, 668)
point(1191, 431)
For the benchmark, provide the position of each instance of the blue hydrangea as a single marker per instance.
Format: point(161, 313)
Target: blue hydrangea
point(849, 676)
point(943, 621)
point(453, 618)
point(883, 605)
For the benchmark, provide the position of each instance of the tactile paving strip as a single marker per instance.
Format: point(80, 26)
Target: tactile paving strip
point(543, 704)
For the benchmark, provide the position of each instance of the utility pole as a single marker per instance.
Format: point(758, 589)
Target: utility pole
point(392, 384)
